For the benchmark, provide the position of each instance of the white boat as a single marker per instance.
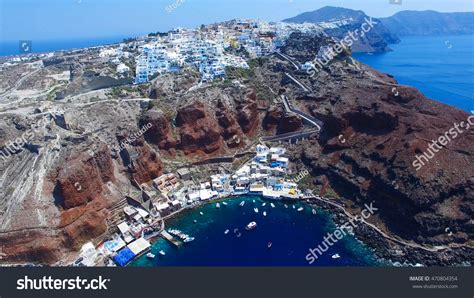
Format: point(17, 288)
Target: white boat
point(255, 209)
point(294, 207)
point(195, 221)
point(242, 203)
point(273, 205)
point(162, 252)
point(150, 255)
point(252, 225)
point(224, 203)
point(286, 206)
point(188, 239)
point(269, 244)
point(300, 209)
point(218, 205)
point(335, 256)
point(201, 213)
point(253, 201)
point(314, 211)
point(263, 205)
point(226, 232)
point(264, 213)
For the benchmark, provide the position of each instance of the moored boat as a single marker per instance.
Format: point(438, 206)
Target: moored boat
point(218, 205)
point(252, 225)
point(264, 213)
point(162, 252)
point(269, 244)
point(335, 256)
point(300, 209)
point(273, 205)
point(226, 232)
point(150, 255)
point(242, 203)
point(255, 209)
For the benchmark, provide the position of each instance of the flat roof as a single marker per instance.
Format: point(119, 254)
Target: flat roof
point(139, 245)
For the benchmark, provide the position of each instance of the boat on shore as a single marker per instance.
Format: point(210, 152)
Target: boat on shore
point(200, 213)
point(251, 225)
point(314, 211)
point(188, 239)
point(224, 203)
point(255, 209)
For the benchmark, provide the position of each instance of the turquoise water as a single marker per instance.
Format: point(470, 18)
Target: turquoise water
point(441, 67)
point(291, 232)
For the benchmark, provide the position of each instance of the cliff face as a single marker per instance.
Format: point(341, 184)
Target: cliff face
point(368, 152)
point(160, 132)
point(377, 39)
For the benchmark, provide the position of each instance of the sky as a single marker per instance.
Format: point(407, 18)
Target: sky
point(82, 19)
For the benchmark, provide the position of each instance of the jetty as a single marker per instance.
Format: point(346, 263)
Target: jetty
point(170, 238)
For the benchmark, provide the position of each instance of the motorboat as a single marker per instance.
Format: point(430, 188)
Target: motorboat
point(255, 209)
point(242, 204)
point(264, 213)
point(218, 205)
point(224, 203)
point(269, 244)
point(195, 221)
point(226, 232)
point(188, 239)
point(150, 255)
point(162, 252)
point(253, 201)
point(252, 225)
point(273, 205)
point(263, 205)
point(335, 256)
point(300, 209)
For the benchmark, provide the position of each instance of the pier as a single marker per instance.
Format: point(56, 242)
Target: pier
point(170, 238)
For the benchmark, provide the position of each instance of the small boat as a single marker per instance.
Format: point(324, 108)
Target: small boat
point(224, 203)
point(314, 211)
point(264, 213)
point(286, 206)
point(226, 232)
point(201, 213)
point(263, 205)
point(253, 201)
point(195, 221)
point(273, 205)
point(335, 256)
point(252, 225)
point(269, 244)
point(294, 207)
point(300, 209)
point(188, 239)
point(255, 209)
point(162, 252)
point(218, 205)
point(150, 255)
point(242, 203)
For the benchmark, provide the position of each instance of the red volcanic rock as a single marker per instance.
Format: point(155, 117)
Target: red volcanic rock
point(247, 114)
point(368, 147)
point(89, 226)
point(82, 179)
point(279, 122)
point(226, 119)
point(33, 247)
point(159, 132)
point(146, 166)
point(199, 130)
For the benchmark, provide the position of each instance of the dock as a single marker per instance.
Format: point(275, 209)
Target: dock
point(170, 238)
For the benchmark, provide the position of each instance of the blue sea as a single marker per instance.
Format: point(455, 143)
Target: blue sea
point(8, 48)
point(441, 67)
point(292, 234)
